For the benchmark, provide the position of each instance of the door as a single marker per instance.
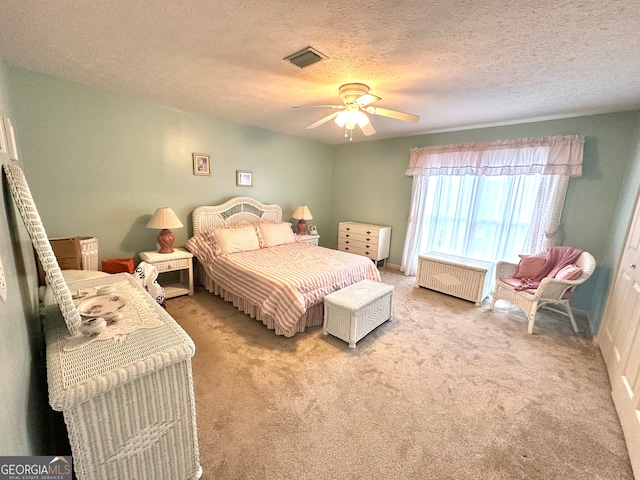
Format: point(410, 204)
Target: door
point(619, 340)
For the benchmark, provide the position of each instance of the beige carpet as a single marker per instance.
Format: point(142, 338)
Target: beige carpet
point(447, 390)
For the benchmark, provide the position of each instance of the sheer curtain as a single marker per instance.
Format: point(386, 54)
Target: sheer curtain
point(489, 200)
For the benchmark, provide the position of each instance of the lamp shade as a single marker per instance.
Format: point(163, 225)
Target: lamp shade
point(164, 218)
point(302, 213)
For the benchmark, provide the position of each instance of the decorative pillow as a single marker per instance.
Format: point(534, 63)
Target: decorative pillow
point(276, 234)
point(529, 266)
point(569, 272)
point(204, 246)
point(238, 239)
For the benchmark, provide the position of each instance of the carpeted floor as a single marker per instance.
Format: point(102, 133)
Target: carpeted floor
point(447, 390)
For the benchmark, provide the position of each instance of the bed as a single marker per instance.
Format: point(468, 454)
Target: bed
point(273, 277)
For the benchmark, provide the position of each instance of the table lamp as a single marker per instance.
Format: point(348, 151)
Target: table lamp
point(164, 219)
point(302, 213)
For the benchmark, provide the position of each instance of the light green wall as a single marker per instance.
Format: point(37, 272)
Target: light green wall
point(99, 163)
point(368, 184)
point(24, 411)
point(626, 202)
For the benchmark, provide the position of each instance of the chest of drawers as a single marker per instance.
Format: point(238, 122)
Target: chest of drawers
point(372, 241)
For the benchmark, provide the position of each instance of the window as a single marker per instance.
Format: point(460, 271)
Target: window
point(480, 217)
point(489, 201)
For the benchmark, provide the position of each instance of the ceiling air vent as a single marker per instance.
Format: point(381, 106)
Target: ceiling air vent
point(305, 57)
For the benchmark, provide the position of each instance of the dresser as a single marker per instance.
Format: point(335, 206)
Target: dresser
point(127, 397)
point(371, 241)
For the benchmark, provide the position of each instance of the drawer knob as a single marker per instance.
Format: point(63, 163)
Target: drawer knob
point(368, 232)
point(347, 235)
point(366, 253)
point(368, 239)
point(346, 241)
point(367, 246)
point(348, 229)
point(346, 248)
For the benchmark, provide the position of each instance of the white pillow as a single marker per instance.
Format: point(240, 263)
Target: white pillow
point(204, 246)
point(276, 234)
point(240, 239)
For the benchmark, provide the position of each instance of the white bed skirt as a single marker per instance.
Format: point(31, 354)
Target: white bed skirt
point(314, 315)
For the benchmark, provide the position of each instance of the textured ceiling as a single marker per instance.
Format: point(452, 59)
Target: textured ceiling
point(456, 63)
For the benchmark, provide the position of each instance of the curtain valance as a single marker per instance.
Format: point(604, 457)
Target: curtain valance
point(557, 155)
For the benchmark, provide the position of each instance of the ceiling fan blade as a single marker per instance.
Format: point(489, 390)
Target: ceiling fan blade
point(323, 120)
point(319, 106)
point(407, 117)
point(366, 99)
point(368, 129)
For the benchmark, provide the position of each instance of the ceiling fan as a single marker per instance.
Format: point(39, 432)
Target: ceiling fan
point(357, 103)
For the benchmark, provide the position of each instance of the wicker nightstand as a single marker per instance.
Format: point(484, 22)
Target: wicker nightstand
point(180, 260)
point(312, 239)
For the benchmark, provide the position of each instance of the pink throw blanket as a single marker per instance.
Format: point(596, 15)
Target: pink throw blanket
point(556, 259)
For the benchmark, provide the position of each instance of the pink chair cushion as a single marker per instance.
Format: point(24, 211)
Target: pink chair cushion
point(516, 282)
point(569, 272)
point(529, 266)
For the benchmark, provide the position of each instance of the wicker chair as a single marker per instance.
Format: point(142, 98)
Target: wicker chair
point(551, 291)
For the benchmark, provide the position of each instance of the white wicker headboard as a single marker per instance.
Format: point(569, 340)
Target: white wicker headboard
point(234, 212)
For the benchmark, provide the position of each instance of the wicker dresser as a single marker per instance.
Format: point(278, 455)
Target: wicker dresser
point(372, 241)
point(461, 277)
point(127, 400)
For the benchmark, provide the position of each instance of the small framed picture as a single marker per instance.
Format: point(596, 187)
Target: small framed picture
point(244, 178)
point(201, 164)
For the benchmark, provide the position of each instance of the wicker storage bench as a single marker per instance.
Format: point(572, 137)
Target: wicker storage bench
point(128, 403)
point(461, 277)
point(354, 311)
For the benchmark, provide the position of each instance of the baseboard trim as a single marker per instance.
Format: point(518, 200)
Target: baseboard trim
point(391, 266)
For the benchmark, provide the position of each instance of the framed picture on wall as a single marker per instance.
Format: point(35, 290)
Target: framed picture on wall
point(201, 164)
point(244, 178)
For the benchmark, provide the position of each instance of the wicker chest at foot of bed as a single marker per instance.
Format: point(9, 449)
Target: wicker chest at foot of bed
point(354, 311)
point(461, 277)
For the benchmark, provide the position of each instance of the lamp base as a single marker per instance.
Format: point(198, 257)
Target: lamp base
point(302, 227)
point(165, 240)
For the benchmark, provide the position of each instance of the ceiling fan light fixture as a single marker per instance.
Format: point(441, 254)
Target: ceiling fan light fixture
point(350, 117)
point(363, 119)
point(356, 109)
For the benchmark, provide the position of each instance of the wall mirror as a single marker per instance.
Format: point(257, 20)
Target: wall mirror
point(27, 208)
